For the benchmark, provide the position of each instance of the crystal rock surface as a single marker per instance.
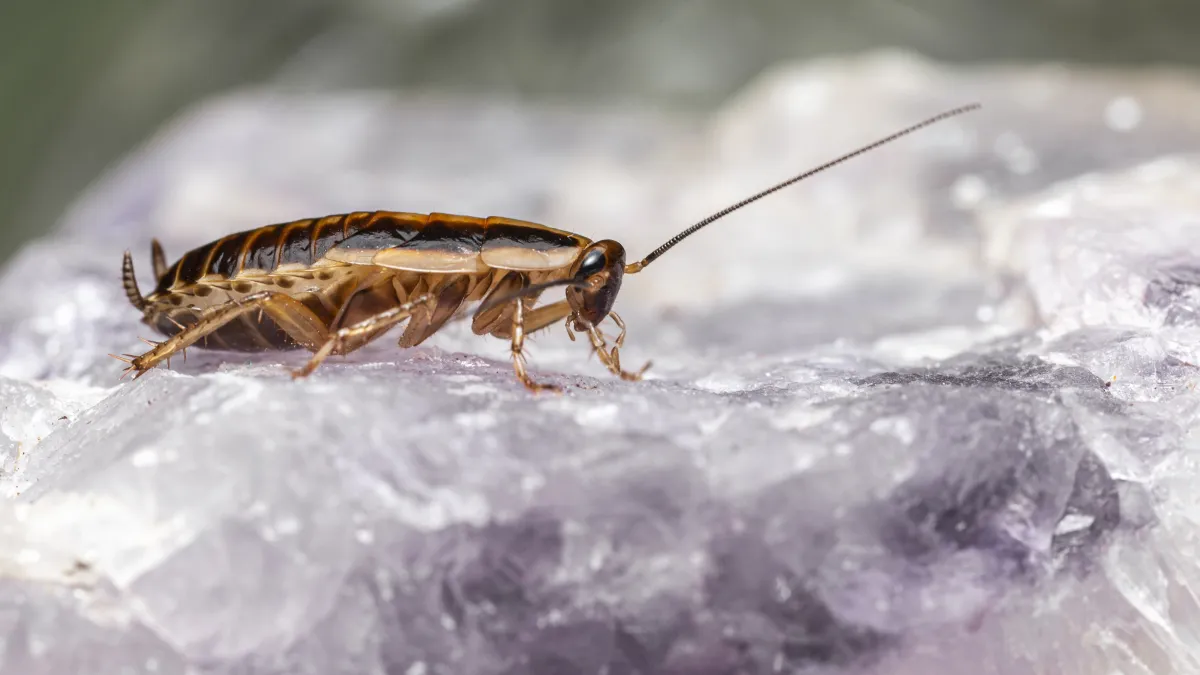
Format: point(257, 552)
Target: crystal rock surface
point(930, 412)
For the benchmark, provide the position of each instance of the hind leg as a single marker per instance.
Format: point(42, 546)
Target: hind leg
point(355, 336)
point(289, 314)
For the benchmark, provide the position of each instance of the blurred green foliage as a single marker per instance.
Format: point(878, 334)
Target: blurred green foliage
point(83, 81)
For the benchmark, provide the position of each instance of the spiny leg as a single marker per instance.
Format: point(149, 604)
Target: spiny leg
point(373, 324)
point(518, 343)
point(289, 314)
point(612, 358)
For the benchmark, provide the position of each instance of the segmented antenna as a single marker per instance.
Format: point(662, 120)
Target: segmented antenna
point(638, 266)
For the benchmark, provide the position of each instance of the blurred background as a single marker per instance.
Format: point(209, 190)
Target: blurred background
point(83, 82)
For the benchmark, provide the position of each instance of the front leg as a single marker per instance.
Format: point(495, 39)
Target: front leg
point(518, 343)
point(612, 359)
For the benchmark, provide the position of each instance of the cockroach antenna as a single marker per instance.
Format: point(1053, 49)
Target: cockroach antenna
point(633, 268)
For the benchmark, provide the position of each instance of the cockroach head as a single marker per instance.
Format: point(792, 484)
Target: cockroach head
point(598, 272)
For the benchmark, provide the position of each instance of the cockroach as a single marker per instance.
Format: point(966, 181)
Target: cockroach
point(332, 285)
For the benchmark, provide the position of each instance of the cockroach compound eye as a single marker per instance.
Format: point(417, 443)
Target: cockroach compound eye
point(334, 284)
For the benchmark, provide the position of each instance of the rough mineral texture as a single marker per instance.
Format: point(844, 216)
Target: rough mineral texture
point(931, 412)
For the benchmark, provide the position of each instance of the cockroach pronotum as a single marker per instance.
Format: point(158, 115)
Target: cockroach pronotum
point(332, 285)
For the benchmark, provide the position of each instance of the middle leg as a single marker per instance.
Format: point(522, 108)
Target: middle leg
point(518, 343)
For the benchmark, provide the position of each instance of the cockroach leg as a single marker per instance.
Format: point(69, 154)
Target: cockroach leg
point(620, 341)
point(488, 321)
point(429, 317)
point(363, 287)
point(518, 343)
point(124, 358)
point(612, 358)
point(352, 337)
point(290, 314)
point(539, 318)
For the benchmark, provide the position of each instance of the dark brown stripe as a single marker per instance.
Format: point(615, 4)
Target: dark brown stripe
point(168, 279)
point(353, 222)
point(383, 230)
point(191, 266)
point(295, 243)
point(258, 250)
point(448, 233)
point(226, 255)
point(212, 249)
point(501, 234)
point(327, 233)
